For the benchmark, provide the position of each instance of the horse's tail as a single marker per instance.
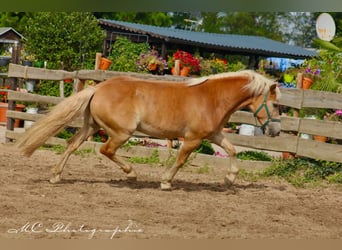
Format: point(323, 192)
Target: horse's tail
point(55, 121)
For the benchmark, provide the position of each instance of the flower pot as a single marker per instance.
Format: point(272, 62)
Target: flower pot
point(320, 138)
point(3, 110)
point(185, 71)
point(31, 110)
point(69, 80)
point(105, 63)
point(4, 60)
point(27, 63)
point(152, 66)
point(38, 64)
point(287, 155)
point(173, 71)
point(30, 85)
point(288, 78)
point(307, 82)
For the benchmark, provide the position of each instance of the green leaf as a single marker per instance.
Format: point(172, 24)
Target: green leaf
point(326, 45)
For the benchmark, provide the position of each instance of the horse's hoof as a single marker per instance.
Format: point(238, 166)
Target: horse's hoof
point(132, 176)
point(165, 186)
point(229, 180)
point(55, 179)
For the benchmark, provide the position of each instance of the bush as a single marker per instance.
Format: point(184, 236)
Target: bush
point(70, 39)
point(205, 148)
point(125, 54)
point(51, 88)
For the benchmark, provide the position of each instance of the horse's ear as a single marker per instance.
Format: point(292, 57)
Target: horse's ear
point(273, 88)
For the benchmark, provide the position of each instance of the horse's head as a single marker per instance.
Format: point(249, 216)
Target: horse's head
point(266, 110)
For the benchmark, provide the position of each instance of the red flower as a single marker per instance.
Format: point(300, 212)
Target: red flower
point(187, 60)
point(102, 132)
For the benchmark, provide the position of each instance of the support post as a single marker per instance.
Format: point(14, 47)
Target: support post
point(14, 85)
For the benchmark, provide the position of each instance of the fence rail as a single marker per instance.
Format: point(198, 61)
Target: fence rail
point(292, 127)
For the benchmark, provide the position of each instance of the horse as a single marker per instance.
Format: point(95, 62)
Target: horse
point(195, 109)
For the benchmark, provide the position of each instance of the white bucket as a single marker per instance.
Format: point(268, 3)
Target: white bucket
point(246, 129)
point(28, 124)
point(30, 85)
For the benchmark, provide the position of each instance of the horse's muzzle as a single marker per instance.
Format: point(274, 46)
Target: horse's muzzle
point(273, 129)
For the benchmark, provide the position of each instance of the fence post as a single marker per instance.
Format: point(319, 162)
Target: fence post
point(14, 84)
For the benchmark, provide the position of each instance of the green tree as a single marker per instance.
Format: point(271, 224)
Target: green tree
point(264, 24)
point(65, 40)
point(15, 20)
point(298, 28)
point(212, 22)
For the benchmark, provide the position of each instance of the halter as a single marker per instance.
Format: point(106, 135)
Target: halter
point(269, 117)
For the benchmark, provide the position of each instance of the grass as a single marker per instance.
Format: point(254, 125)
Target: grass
point(59, 149)
point(151, 160)
point(300, 172)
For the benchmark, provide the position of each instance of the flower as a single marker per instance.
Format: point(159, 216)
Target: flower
point(186, 60)
point(3, 94)
point(337, 116)
point(151, 61)
point(312, 72)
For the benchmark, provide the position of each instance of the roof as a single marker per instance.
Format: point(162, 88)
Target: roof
point(5, 35)
point(237, 43)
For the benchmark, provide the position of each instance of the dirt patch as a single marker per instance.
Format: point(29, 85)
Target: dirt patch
point(96, 201)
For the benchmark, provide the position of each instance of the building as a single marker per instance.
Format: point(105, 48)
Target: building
point(255, 47)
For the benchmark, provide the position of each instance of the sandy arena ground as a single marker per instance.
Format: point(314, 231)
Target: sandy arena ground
point(95, 201)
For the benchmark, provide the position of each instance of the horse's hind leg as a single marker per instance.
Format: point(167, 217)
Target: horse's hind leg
point(109, 149)
point(73, 144)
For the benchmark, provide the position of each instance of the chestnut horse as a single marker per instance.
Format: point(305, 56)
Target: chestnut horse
point(196, 109)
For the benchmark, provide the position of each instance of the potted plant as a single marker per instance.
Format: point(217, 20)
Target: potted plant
point(188, 63)
point(5, 58)
point(326, 71)
point(309, 76)
point(28, 60)
point(151, 62)
point(213, 65)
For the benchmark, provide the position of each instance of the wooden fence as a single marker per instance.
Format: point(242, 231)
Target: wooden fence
point(292, 127)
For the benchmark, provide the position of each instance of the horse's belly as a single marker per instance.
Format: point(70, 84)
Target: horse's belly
point(159, 131)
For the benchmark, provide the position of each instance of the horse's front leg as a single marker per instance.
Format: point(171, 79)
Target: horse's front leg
point(233, 170)
point(184, 152)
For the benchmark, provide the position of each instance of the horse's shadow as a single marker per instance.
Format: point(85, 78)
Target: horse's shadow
point(176, 185)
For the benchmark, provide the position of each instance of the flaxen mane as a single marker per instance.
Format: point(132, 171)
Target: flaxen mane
point(259, 84)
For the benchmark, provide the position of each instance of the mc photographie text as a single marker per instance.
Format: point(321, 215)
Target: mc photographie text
point(60, 227)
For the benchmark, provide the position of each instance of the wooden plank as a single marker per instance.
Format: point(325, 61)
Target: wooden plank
point(25, 72)
point(280, 143)
point(289, 123)
point(291, 98)
point(243, 117)
point(16, 70)
point(320, 99)
point(318, 127)
point(319, 150)
point(33, 98)
point(77, 123)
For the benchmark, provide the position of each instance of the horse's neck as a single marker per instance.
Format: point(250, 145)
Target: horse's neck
point(235, 96)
